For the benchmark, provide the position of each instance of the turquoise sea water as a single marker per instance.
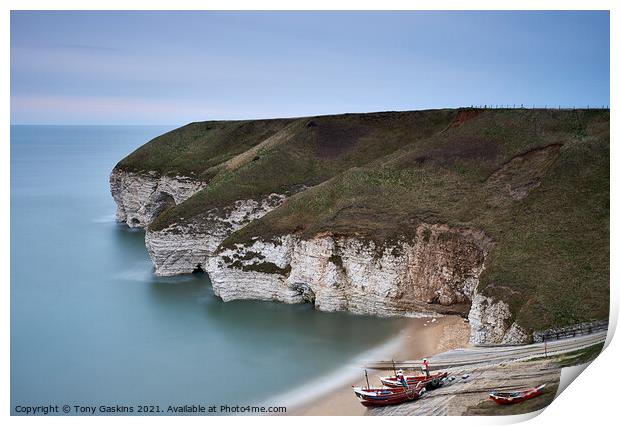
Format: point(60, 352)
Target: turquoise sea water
point(92, 325)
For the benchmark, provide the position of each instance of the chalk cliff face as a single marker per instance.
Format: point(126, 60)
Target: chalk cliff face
point(400, 176)
point(489, 322)
point(184, 248)
point(141, 197)
point(435, 272)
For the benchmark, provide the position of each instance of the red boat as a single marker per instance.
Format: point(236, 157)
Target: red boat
point(507, 398)
point(373, 397)
point(433, 381)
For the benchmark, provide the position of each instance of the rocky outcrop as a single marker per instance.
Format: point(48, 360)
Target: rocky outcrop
point(184, 248)
point(141, 197)
point(490, 323)
point(435, 272)
point(512, 175)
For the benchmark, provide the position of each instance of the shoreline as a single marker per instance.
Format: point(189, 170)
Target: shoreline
point(332, 395)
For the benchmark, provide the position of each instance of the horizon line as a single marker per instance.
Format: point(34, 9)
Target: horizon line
point(93, 124)
point(484, 107)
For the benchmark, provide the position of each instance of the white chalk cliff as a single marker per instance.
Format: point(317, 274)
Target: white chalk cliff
point(184, 248)
point(435, 271)
point(141, 197)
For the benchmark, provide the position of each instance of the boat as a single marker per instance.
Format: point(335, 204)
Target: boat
point(432, 382)
point(507, 398)
point(376, 397)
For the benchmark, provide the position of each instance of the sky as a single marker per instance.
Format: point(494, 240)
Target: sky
point(115, 67)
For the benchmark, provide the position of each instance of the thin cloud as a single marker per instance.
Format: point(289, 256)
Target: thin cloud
point(86, 47)
point(100, 109)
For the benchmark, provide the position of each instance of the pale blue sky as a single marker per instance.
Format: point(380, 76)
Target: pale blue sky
point(176, 67)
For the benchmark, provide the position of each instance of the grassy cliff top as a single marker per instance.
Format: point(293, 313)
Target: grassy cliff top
point(305, 153)
point(535, 181)
point(195, 150)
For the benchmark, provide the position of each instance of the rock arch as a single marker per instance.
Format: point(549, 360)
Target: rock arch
point(158, 203)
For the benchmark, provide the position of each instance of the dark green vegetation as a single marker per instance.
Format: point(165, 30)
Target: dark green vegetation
point(264, 267)
point(307, 152)
point(197, 148)
point(582, 356)
point(535, 181)
point(490, 408)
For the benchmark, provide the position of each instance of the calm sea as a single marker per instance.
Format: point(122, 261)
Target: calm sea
point(92, 325)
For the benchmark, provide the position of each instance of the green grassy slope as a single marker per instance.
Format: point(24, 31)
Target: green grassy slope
point(197, 148)
point(551, 255)
point(309, 151)
point(377, 176)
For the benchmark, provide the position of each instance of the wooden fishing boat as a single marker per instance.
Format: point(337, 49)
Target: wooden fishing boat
point(507, 398)
point(432, 382)
point(375, 397)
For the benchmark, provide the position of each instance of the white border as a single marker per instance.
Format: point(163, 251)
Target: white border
point(590, 399)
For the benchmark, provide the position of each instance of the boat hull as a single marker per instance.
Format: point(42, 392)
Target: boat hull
point(432, 382)
point(376, 397)
point(509, 398)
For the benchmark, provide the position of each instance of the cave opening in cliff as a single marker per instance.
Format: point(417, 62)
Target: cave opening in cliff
point(135, 221)
point(198, 269)
point(162, 202)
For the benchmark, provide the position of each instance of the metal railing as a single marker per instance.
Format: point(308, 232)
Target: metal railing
point(570, 331)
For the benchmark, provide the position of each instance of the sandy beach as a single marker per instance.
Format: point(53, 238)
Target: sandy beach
point(421, 337)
